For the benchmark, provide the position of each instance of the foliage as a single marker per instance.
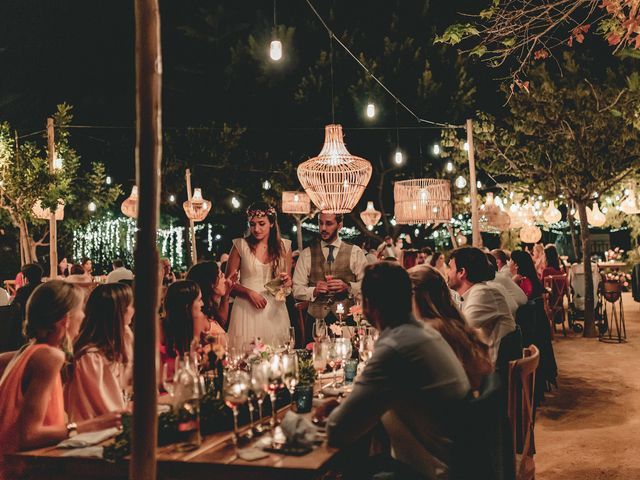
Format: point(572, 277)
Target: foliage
point(519, 33)
point(306, 371)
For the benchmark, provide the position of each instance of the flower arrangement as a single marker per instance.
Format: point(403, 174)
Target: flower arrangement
point(620, 277)
point(614, 255)
point(356, 312)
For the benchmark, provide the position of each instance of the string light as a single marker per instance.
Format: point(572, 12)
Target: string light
point(92, 207)
point(266, 185)
point(172, 198)
point(465, 147)
point(436, 149)
point(58, 163)
point(108, 180)
point(449, 167)
point(479, 184)
point(235, 203)
point(275, 48)
point(218, 236)
point(294, 229)
point(398, 158)
point(371, 110)
point(461, 182)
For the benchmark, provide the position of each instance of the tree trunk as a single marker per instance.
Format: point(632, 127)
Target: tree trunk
point(590, 330)
point(148, 61)
point(27, 245)
point(574, 237)
point(454, 242)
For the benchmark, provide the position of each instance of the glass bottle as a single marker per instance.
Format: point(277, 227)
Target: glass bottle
point(187, 394)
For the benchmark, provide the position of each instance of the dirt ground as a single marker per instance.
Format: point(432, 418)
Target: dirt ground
point(589, 429)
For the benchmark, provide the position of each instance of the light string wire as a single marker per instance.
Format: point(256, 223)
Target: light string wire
point(384, 87)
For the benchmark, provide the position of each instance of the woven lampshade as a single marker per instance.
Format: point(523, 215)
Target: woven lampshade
point(130, 206)
point(370, 217)
point(45, 213)
point(495, 217)
point(595, 217)
point(197, 208)
point(630, 204)
point(530, 234)
point(521, 215)
point(335, 179)
point(422, 200)
point(552, 214)
point(296, 202)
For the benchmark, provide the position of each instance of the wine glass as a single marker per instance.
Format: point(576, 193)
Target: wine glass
point(259, 387)
point(320, 361)
point(274, 383)
point(343, 348)
point(125, 382)
point(365, 348)
point(319, 330)
point(236, 393)
point(333, 358)
point(292, 339)
point(328, 277)
point(290, 372)
point(168, 377)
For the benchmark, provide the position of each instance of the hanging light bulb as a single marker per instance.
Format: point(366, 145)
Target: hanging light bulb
point(172, 198)
point(266, 185)
point(92, 207)
point(595, 217)
point(107, 180)
point(398, 158)
point(630, 204)
point(218, 236)
point(461, 182)
point(58, 163)
point(479, 184)
point(371, 110)
point(449, 167)
point(552, 214)
point(275, 50)
point(416, 232)
point(294, 229)
point(436, 149)
point(235, 203)
point(465, 147)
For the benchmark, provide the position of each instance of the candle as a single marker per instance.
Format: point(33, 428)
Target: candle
point(340, 309)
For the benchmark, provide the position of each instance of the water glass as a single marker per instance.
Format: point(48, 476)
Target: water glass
point(259, 387)
point(235, 393)
point(275, 375)
point(290, 374)
point(292, 340)
point(350, 369)
point(319, 330)
point(320, 352)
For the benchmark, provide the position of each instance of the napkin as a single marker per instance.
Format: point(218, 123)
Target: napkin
point(89, 438)
point(298, 430)
point(87, 452)
point(276, 288)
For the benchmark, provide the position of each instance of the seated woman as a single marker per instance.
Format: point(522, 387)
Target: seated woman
point(438, 262)
point(101, 367)
point(432, 303)
point(525, 274)
point(78, 275)
point(31, 398)
point(215, 291)
point(184, 321)
point(552, 261)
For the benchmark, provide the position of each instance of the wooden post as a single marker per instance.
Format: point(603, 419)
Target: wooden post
point(53, 233)
point(192, 228)
point(473, 190)
point(454, 242)
point(148, 165)
point(299, 231)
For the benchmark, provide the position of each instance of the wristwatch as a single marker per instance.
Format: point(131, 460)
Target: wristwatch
point(72, 429)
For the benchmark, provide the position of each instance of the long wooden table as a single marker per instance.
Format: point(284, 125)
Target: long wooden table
point(214, 459)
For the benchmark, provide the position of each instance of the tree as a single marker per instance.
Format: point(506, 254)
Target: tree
point(25, 179)
point(515, 33)
point(568, 136)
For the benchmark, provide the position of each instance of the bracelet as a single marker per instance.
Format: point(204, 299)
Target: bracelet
point(72, 429)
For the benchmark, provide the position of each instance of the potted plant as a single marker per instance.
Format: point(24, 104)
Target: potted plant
point(303, 395)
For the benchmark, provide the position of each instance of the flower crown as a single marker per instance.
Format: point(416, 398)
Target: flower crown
point(261, 213)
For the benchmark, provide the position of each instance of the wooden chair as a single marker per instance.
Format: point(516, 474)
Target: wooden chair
point(522, 374)
point(557, 287)
point(301, 310)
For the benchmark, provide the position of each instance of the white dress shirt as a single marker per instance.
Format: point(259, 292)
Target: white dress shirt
point(118, 274)
point(513, 293)
point(486, 308)
point(301, 289)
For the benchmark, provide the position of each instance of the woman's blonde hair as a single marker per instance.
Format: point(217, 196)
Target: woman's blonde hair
point(47, 305)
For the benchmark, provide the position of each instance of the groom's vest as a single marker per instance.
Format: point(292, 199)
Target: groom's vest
point(340, 268)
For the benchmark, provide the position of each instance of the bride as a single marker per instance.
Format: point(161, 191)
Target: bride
point(261, 256)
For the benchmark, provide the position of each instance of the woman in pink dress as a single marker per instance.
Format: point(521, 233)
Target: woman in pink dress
point(101, 368)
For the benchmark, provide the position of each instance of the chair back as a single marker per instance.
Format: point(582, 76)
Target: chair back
point(301, 310)
point(482, 447)
point(522, 373)
point(556, 285)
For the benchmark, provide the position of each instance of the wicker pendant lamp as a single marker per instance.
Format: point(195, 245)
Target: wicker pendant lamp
point(495, 217)
point(335, 180)
point(45, 213)
point(296, 203)
point(552, 214)
point(422, 200)
point(370, 217)
point(130, 206)
point(630, 204)
point(196, 207)
point(595, 217)
point(530, 234)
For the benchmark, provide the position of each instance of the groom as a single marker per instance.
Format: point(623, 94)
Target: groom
point(328, 272)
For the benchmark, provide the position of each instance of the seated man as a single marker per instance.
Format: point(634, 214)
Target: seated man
point(119, 272)
point(413, 382)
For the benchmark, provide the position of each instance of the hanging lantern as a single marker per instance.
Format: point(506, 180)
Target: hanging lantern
point(335, 180)
point(530, 234)
point(461, 182)
point(370, 217)
point(630, 204)
point(296, 202)
point(130, 206)
point(552, 214)
point(422, 200)
point(595, 217)
point(495, 217)
point(45, 213)
point(197, 208)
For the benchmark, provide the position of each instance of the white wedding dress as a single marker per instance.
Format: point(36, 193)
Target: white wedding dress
point(270, 323)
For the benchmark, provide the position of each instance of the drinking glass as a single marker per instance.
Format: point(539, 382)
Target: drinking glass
point(365, 349)
point(333, 359)
point(328, 277)
point(320, 362)
point(343, 349)
point(290, 374)
point(236, 393)
point(168, 377)
point(319, 330)
point(259, 386)
point(275, 382)
point(126, 383)
point(292, 340)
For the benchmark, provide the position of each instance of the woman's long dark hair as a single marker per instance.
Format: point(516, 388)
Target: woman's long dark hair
point(205, 274)
point(274, 244)
point(527, 269)
point(434, 258)
point(178, 322)
point(551, 257)
point(103, 326)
